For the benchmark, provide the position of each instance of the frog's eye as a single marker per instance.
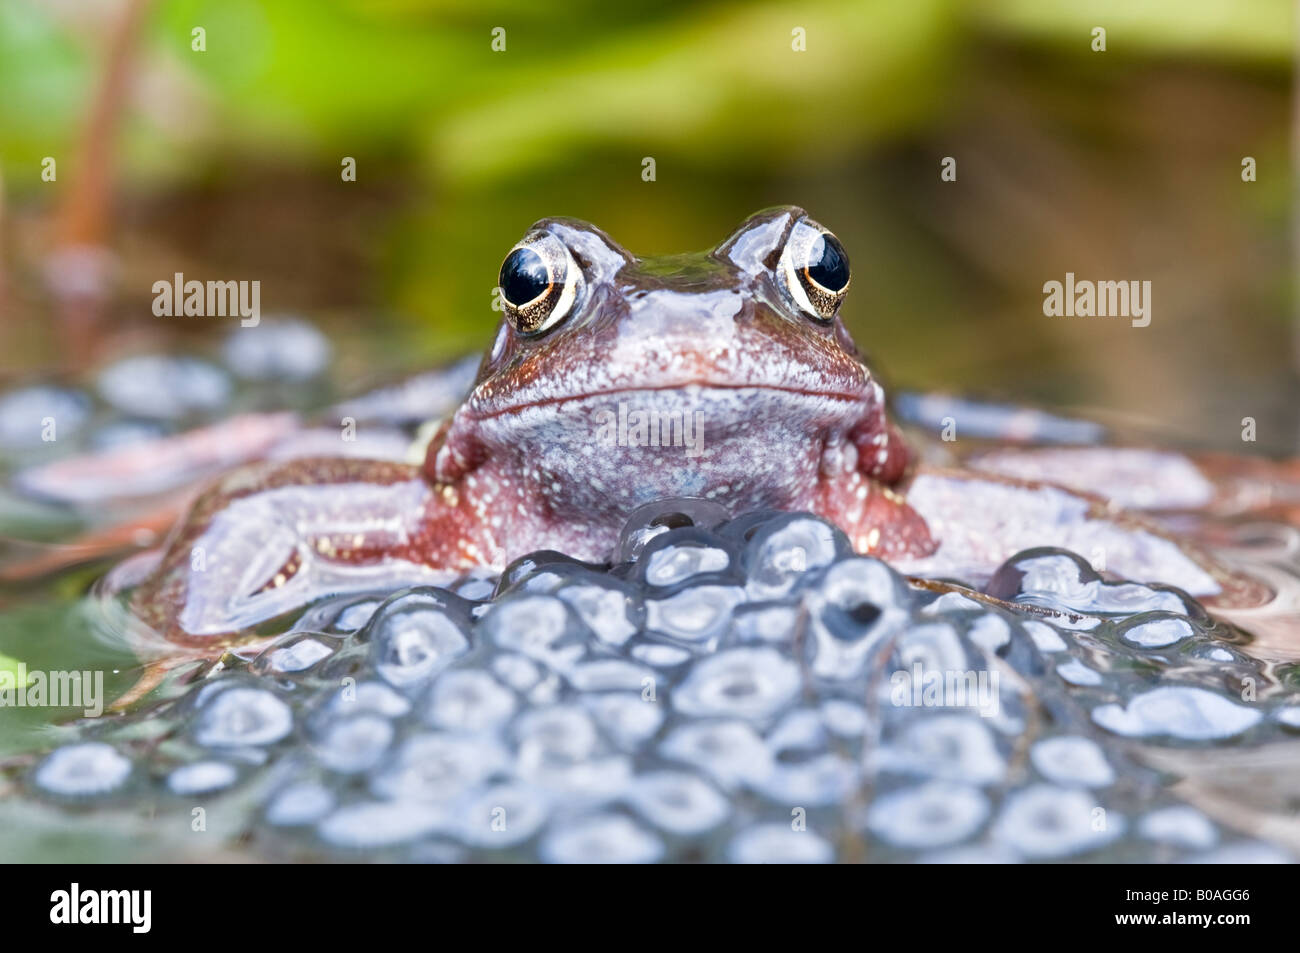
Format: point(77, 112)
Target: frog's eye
point(539, 283)
point(814, 270)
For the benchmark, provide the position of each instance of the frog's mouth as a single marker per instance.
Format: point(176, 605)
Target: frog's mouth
point(624, 425)
point(704, 393)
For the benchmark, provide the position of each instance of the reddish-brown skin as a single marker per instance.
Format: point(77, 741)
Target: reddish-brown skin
point(787, 416)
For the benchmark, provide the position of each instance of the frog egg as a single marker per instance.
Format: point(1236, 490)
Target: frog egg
point(88, 769)
point(417, 634)
point(934, 647)
point(676, 563)
point(1179, 826)
point(945, 747)
point(202, 777)
point(805, 771)
point(779, 844)
point(541, 627)
point(1045, 638)
point(438, 767)
point(1289, 717)
point(1056, 576)
point(990, 632)
point(809, 779)
point(678, 803)
point(1043, 821)
point(845, 719)
point(764, 623)
point(801, 730)
point(338, 616)
point(502, 816)
point(475, 588)
point(299, 804)
point(611, 608)
point(679, 555)
point(730, 752)
point(241, 716)
point(751, 683)
point(372, 697)
point(660, 656)
point(647, 522)
point(543, 572)
point(1075, 672)
point(355, 616)
point(125, 433)
point(628, 720)
point(548, 691)
point(517, 671)
point(295, 653)
point(553, 738)
point(1156, 632)
point(277, 349)
point(469, 701)
point(588, 783)
point(697, 615)
point(782, 553)
point(378, 824)
point(856, 607)
point(353, 744)
point(949, 603)
point(1221, 656)
point(935, 814)
point(22, 412)
point(608, 675)
point(862, 589)
point(1177, 711)
point(1062, 580)
point(162, 386)
point(1071, 759)
point(602, 839)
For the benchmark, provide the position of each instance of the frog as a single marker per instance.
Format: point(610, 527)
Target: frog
point(612, 381)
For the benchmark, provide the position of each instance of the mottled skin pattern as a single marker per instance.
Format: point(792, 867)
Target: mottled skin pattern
point(789, 416)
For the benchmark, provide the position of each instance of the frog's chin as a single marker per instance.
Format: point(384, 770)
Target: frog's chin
point(607, 453)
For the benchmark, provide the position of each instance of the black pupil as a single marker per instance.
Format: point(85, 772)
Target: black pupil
point(523, 276)
point(827, 263)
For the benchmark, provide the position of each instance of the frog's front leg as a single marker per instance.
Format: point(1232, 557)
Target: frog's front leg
point(981, 520)
point(857, 490)
point(270, 538)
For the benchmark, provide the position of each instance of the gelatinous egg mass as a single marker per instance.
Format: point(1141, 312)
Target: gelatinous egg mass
point(739, 690)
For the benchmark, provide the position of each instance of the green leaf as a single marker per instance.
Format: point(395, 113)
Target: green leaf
point(10, 665)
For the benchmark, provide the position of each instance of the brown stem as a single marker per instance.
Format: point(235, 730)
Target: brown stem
point(78, 269)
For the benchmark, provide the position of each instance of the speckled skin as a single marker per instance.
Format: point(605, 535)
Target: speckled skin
point(785, 415)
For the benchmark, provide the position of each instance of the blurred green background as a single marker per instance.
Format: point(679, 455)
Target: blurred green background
point(1123, 164)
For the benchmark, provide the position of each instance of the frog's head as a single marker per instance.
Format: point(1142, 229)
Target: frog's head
point(743, 341)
